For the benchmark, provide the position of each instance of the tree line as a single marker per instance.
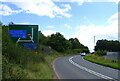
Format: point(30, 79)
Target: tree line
point(108, 45)
point(59, 43)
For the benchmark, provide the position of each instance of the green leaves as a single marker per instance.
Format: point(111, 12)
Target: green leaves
point(58, 42)
point(101, 52)
point(77, 45)
point(113, 46)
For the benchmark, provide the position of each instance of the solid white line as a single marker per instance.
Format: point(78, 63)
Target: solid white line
point(55, 71)
point(88, 70)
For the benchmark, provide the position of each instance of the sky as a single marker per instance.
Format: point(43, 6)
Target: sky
point(82, 19)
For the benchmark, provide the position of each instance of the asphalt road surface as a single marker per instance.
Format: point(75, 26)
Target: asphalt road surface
point(75, 67)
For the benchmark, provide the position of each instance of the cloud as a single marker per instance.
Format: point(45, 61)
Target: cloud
point(80, 2)
point(68, 7)
point(114, 18)
point(60, 17)
point(116, 1)
point(67, 26)
point(23, 23)
point(42, 7)
point(49, 26)
point(86, 33)
point(6, 10)
point(49, 32)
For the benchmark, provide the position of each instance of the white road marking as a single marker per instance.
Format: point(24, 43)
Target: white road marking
point(90, 71)
point(55, 71)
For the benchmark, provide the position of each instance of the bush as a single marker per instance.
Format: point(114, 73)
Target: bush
point(100, 52)
point(77, 50)
point(12, 70)
point(73, 51)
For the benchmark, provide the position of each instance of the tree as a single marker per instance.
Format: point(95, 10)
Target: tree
point(58, 42)
point(42, 39)
point(78, 46)
point(113, 46)
point(1, 23)
point(75, 43)
point(10, 23)
point(86, 50)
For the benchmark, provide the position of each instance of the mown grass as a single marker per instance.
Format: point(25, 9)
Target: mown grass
point(103, 61)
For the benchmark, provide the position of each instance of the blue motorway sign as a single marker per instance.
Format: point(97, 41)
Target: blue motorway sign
point(31, 46)
point(18, 33)
point(25, 35)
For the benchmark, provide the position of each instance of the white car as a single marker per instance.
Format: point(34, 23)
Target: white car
point(83, 54)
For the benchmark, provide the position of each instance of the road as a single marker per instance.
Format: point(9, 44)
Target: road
point(75, 67)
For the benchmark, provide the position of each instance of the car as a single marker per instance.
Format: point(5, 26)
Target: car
point(83, 54)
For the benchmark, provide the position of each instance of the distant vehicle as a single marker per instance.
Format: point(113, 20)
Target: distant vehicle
point(83, 54)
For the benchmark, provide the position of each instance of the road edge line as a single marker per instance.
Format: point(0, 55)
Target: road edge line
point(54, 68)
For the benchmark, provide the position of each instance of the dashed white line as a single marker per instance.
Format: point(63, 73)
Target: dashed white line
point(89, 70)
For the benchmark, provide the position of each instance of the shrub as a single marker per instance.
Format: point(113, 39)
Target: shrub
point(12, 70)
point(100, 52)
point(77, 50)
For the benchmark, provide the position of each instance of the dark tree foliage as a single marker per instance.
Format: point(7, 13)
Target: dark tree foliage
point(77, 45)
point(112, 46)
point(10, 23)
point(58, 42)
point(86, 49)
point(42, 39)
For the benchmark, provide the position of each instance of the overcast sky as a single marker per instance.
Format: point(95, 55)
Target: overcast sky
point(82, 19)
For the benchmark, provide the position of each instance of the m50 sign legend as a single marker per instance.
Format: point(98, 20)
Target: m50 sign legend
point(25, 35)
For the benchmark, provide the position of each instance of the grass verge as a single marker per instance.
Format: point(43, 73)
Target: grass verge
point(103, 61)
point(43, 70)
